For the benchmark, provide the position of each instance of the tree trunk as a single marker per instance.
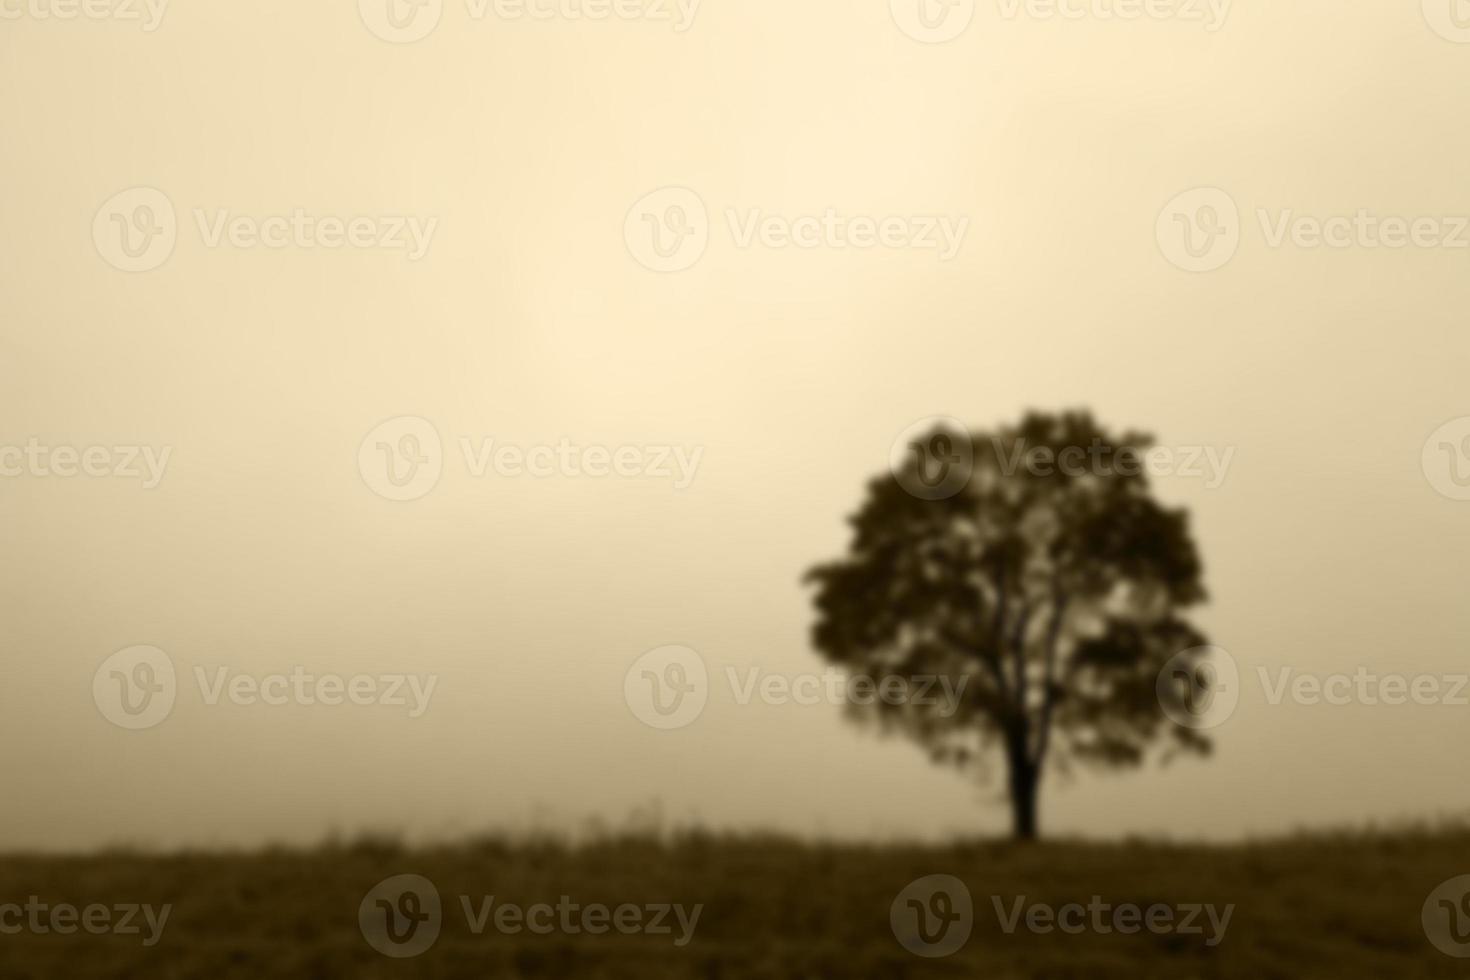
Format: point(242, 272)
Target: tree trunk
point(1025, 782)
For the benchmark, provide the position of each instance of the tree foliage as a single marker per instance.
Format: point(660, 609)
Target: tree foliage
point(1056, 589)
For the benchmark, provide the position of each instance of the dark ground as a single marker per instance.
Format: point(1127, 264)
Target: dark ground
point(1344, 906)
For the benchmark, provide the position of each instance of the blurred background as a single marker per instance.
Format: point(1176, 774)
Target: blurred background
point(531, 319)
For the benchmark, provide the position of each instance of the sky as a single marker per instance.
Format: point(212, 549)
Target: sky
point(529, 156)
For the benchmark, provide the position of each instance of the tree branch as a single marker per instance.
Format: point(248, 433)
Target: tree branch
point(1053, 638)
point(998, 633)
point(1018, 655)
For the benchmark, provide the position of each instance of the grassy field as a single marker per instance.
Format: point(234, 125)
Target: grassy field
point(1338, 907)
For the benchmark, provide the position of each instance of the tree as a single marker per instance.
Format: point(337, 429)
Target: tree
point(1033, 564)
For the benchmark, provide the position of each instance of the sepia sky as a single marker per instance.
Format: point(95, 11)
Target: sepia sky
point(531, 319)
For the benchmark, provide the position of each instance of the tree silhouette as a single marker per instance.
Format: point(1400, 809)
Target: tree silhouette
point(1035, 564)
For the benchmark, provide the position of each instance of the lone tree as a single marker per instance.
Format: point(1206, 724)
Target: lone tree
point(1034, 564)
